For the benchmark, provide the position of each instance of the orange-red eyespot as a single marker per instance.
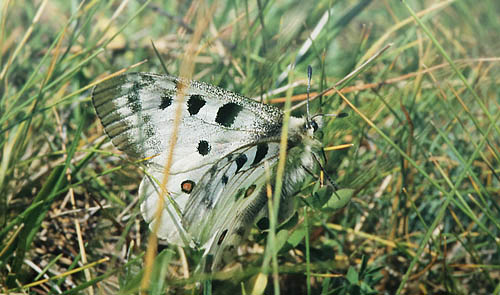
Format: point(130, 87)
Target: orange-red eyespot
point(187, 186)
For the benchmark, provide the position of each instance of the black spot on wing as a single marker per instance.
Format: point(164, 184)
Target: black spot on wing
point(225, 179)
point(227, 114)
point(166, 101)
point(262, 149)
point(221, 238)
point(195, 103)
point(203, 147)
point(240, 161)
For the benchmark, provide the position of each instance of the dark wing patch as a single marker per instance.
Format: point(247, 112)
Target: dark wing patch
point(227, 114)
point(203, 147)
point(262, 149)
point(222, 236)
point(134, 102)
point(240, 161)
point(195, 103)
point(166, 101)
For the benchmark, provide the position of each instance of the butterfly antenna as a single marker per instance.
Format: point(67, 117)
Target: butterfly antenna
point(309, 77)
point(339, 115)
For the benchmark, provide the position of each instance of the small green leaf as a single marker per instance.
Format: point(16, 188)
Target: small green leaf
point(339, 199)
point(319, 197)
point(281, 239)
point(296, 236)
point(352, 276)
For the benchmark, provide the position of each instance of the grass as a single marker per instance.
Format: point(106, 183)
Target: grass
point(422, 172)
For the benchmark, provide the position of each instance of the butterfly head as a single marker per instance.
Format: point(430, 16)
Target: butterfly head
point(304, 128)
point(315, 124)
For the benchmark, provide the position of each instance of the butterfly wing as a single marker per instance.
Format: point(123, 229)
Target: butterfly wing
point(231, 196)
point(138, 111)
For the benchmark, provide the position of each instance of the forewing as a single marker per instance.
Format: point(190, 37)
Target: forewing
point(138, 111)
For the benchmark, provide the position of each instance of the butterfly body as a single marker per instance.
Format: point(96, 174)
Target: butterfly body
point(225, 142)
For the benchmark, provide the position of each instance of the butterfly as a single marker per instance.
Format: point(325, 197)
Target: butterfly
point(216, 187)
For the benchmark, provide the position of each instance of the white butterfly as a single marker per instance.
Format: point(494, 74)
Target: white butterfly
point(217, 177)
